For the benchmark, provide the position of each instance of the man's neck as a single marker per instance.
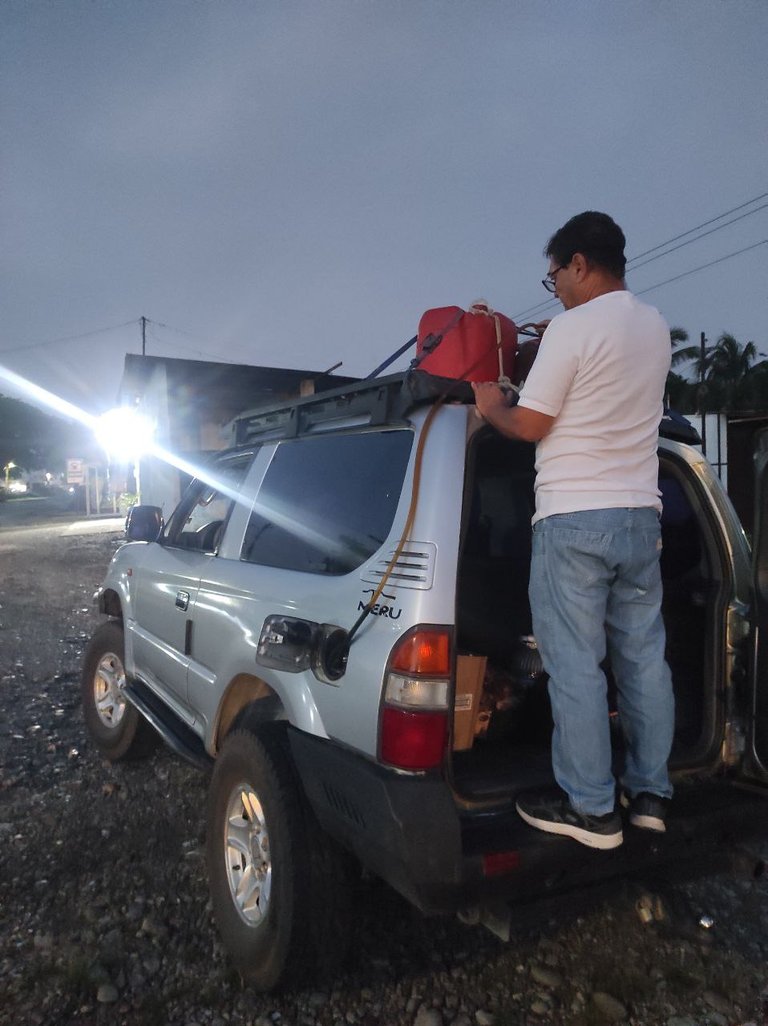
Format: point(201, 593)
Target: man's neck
point(601, 285)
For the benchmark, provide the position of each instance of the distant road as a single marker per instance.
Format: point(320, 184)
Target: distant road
point(50, 511)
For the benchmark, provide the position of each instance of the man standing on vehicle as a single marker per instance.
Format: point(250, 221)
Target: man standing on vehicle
point(593, 402)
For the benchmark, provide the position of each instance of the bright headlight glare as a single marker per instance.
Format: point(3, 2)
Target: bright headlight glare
point(124, 433)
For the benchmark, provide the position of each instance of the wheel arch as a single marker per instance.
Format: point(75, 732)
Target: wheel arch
point(247, 702)
point(110, 604)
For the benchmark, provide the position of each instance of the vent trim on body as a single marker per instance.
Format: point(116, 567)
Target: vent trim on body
point(415, 567)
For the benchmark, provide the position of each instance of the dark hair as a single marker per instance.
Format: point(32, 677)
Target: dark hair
point(596, 236)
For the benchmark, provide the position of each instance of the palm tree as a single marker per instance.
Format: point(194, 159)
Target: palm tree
point(730, 364)
point(726, 373)
point(752, 390)
point(681, 392)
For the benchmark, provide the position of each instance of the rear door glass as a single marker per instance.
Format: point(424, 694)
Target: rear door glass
point(327, 503)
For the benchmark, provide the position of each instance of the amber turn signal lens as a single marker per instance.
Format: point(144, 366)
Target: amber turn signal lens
point(425, 652)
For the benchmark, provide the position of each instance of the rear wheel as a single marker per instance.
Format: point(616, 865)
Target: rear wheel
point(279, 886)
point(117, 727)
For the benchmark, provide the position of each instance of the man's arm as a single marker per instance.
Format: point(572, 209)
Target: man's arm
point(512, 421)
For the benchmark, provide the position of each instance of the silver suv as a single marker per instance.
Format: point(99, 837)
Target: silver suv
point(335, 622)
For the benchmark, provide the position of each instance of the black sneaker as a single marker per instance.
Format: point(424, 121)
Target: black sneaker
point(552, 812)
point(646, 811)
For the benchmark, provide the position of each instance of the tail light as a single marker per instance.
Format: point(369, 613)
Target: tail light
point(413, 727)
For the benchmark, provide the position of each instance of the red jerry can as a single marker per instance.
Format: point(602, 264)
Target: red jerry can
point(474, 345)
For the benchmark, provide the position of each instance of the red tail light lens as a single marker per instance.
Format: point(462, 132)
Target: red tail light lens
point(414, 714)
point(500, 863)
point(413, 740)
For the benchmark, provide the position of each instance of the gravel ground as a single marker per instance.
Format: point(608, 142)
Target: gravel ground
point(104, 905)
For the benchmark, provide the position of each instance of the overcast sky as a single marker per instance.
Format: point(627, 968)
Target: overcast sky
point(292, 183)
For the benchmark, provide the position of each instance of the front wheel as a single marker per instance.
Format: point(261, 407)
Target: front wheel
point(279, 887)
point(117, 727)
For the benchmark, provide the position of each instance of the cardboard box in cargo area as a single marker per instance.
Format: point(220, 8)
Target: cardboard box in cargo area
point(470, 674)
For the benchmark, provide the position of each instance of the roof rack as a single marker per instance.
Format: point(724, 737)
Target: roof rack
point(376, 401)
point(372, 401)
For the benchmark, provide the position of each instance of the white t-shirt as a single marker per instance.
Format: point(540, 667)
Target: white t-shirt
point(600, 371)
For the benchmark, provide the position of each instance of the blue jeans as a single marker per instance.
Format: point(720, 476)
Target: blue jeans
point(595, 588)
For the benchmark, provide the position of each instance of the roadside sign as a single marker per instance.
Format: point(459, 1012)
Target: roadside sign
point(75, 471)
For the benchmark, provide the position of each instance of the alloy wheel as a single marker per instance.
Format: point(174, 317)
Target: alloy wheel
point(108, 684)
point(247, 855)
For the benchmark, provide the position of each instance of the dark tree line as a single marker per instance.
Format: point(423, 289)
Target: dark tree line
point(36, 440)
point(728, 376)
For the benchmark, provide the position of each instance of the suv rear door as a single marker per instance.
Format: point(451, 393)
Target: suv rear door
point(756, 758)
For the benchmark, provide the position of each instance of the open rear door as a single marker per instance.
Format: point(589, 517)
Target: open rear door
point(756, 756)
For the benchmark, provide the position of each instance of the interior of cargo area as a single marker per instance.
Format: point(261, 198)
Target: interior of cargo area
point(503, 724)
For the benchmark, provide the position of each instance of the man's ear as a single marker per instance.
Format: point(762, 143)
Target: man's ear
point(580, 264)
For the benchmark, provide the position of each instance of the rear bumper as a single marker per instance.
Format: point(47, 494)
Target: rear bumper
point(409, 830)
point(402, 827)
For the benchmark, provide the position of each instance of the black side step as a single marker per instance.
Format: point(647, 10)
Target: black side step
point(177, 735)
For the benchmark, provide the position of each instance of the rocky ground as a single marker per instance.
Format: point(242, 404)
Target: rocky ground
point(104, 909)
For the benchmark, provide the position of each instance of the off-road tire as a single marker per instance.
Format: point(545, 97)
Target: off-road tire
point(294, 927)
point(117, 727)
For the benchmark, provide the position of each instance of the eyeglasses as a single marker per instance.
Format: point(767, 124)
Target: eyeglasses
point(549, 282)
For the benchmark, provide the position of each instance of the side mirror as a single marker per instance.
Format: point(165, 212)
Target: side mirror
point(143, 523)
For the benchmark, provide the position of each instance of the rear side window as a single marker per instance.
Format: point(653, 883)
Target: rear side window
point(327, 503)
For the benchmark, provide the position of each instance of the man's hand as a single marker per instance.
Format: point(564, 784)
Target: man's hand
point(489, 399)
point(512, 421)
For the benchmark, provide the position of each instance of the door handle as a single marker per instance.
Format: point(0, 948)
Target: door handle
point(182, 600)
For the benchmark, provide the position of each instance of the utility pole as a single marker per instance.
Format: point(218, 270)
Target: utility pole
point(702, 392)
point(144, 336)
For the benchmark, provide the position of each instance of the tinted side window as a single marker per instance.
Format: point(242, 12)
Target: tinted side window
point(198, 521)
point(327, 503)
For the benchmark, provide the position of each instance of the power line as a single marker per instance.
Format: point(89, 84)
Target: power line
point(66, 338)
point(658, 284)
point(632, 264)
point(179, 331)
point(163, 344)
point(534, 311)
point(704, 224)
point(188, 349)
point(114, 327)
point(712, 263)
